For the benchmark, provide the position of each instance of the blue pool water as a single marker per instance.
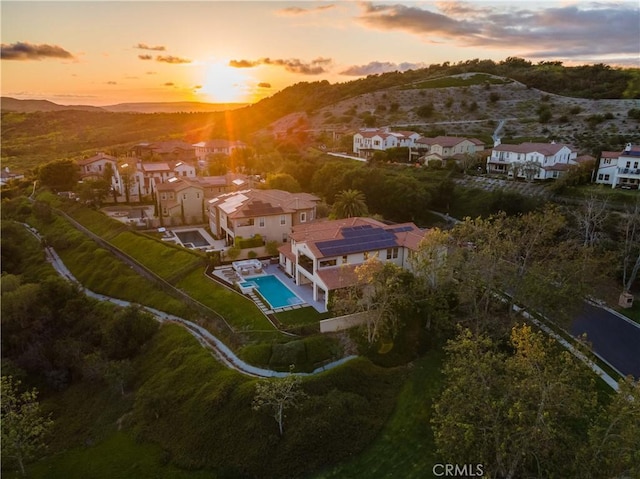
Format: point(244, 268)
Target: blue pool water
point(273, 290)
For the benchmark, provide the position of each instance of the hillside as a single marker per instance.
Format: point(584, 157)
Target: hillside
point(30, 106)
point(586, 106)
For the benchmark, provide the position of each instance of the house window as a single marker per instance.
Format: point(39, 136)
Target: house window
point(184, 196)
point(303, 217)
point(606, 177)
point(261, 222)
point(197, 195)
point(164, 212)
point(607, 161)
point(327, 262)
point(284, 237)
point(344, 259)
point(628, 164)
point(184, 173)
point(283, 220)
point(600, 176)
point(163, 196)
point(365, 255)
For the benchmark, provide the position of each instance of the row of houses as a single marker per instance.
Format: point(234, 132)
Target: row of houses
point(532, 161)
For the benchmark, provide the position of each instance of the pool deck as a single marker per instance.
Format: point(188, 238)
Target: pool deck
point(305, 293)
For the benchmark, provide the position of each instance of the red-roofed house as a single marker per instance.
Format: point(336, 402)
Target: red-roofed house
point(367, 141)
point(212, 147)
point(325, 254)
point(93, 168)
point(620, 169)
point(442, 147)
point(269, 213)
point(549, 159)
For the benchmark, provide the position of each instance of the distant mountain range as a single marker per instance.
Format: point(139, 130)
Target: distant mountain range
point(29, 106)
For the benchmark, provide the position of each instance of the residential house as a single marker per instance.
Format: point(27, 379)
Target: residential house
point(145, 176)
point(369, 140)
point(180, 202)
point(212, 147)
point(269, 213)
point(170, 151)
point(93, 168)
point(620, 169)
point(6, 176)
point(216, 185)
point(538, 161)
point(443, 148)
point(325, 254)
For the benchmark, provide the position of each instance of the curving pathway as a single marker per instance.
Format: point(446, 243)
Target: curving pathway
point(218, 349)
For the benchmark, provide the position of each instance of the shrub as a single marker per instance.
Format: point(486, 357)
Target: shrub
point(233, 252)
point(272, 248)
point(252, 254)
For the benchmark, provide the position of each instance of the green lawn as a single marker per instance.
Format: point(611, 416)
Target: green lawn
point(301, 317)
point(165, 260)
point(632, 313)
point(405, 447)
point(240, 312)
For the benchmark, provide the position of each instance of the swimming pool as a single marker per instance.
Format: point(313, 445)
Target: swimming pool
point(273, 291)
point(191, 236)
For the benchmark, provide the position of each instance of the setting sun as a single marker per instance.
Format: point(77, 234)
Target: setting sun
point(224, 84)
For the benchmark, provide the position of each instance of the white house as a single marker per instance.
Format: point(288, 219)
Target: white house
point(146, 176)
point(369, 140)
point(324, 254)
point(620, 169)
point(544, 160)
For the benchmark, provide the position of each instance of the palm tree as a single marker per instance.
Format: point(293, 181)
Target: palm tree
point(350, 203)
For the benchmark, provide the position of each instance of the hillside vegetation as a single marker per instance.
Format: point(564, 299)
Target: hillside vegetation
point(32, 138)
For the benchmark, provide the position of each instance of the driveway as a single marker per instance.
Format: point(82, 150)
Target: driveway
point(613, 337)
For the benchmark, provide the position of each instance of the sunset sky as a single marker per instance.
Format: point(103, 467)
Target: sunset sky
point(101, 53)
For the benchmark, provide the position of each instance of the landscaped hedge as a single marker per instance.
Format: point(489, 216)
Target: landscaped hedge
point(254, 242)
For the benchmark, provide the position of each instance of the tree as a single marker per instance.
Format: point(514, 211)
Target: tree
point(24, 427)
point(590, 218)
point(530, 169)
point(520, 414)
point(614, 442)
point(350, 203)
point(117, 373)
point(277, 395)
point(630, 248)
point(382, 293)
point(128, 178)
point(59, 175)
point(283, 181)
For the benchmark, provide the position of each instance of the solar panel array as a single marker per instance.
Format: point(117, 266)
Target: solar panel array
point(401, 229)
point(357, 239)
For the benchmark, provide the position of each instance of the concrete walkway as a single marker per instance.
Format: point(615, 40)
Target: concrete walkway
point(218, 349)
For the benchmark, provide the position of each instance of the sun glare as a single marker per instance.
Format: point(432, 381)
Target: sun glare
point(223, 84)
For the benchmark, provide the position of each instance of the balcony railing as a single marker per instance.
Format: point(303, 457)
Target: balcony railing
point(629, 171)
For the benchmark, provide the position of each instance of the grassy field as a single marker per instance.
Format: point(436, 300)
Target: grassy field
point(98, 270)
point(120, 456)
point(405, 447)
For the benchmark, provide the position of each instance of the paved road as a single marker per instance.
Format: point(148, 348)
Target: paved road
point(614, 338)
